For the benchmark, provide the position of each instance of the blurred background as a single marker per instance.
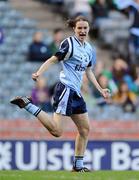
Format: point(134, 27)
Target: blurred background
point(30, 32)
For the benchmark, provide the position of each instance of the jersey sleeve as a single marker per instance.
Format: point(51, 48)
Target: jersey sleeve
point(64, 50)
point(92, 58)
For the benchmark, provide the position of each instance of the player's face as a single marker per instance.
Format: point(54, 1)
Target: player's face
point(81, 30)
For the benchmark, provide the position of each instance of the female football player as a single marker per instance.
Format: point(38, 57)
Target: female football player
point(77, 57)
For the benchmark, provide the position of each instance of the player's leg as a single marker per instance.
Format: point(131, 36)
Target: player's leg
point(61, 99)
point(82, 123)
point(53, 124)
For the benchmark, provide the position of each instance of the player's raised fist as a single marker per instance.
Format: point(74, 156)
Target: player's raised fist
point(106, 93)
point(35, 76)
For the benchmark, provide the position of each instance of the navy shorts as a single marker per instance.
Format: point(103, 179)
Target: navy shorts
point(67, 101)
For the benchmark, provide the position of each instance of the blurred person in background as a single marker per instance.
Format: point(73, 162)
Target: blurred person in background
point(77, 57)
point(99, 12)
point(131, 8)
point(82, 7)
point(1, 36)
point(38, 50)
point(131, 78)
point(119, 70)
point(58, 36)
point(125, 98)
point(78, 7)
point(100, 9)
point(134, 32)
point(40, 95)
point(103, 21)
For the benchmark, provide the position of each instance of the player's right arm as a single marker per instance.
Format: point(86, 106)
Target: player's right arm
point(52, 60)
point(61, 54)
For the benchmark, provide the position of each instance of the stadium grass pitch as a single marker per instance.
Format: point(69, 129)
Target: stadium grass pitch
point(65, 175)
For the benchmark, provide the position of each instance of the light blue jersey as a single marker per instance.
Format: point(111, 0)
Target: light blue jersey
point(75, 58)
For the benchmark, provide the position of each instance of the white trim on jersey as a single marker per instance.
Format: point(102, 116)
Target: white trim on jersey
point(70, 49)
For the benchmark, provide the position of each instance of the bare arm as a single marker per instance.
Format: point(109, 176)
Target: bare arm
point(90, 75)
point(44, 67)
point(92, 78)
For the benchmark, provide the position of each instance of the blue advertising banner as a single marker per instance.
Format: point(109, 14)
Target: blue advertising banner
point(58, 155)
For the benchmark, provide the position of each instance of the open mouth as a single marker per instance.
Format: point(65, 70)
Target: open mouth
point(82, 34)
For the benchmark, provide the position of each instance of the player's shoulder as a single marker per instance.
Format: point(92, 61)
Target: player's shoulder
point(90, 46)
point(66, 41)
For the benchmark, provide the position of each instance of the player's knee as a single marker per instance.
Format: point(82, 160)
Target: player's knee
point(57, 133)
point(85, 131)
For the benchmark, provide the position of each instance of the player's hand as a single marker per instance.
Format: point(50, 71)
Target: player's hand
point(106, 93)
point(35, 76)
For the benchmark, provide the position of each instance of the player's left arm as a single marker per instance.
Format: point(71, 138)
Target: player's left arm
point(90, 75)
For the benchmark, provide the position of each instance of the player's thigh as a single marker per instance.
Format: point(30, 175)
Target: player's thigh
point(59, 120)
point(81, 121)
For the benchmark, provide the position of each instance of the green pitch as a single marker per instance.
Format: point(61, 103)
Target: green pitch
point(65, 175)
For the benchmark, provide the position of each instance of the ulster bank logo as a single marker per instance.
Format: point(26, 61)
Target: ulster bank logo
point(79, 67)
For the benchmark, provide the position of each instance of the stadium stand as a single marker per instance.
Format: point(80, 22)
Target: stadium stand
point(15, 72)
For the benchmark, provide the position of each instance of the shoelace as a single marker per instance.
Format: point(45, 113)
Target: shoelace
point(26, 100)
point(84, 169)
